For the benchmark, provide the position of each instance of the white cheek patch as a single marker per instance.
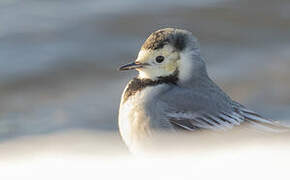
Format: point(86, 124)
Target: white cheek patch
point(156, 70)
point(144, 75)
point(152, 73)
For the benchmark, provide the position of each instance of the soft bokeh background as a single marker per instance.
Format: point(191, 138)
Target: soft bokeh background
point(58, 60)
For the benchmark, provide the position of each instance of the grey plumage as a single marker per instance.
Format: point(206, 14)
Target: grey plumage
point(190, 101)
point(207, 108)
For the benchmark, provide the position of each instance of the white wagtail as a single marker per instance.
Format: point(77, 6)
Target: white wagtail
point(173, 91)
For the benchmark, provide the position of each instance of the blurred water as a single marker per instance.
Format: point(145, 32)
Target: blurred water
point(58, 59)
point(45, 32)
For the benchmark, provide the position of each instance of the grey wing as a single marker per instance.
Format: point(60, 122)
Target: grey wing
point(204, 120)
point(197, 111)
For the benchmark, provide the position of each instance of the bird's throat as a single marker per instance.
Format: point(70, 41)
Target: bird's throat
point(138, 84)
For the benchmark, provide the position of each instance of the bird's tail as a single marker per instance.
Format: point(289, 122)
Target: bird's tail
point(256, 120)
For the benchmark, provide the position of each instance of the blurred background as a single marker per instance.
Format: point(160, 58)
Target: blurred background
point(58, 59)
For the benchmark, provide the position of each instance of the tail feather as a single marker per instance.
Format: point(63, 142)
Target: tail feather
point(260, 122)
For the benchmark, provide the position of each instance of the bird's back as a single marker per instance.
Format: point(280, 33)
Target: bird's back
point(205, 106)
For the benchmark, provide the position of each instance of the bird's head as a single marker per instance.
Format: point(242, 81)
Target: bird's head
point(168, 52)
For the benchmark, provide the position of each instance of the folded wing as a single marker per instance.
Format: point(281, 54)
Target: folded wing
point(222, 120)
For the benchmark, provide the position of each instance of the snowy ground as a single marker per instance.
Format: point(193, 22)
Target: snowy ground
point(83, 154)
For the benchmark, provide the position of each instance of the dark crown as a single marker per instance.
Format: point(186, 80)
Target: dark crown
point(166, 36)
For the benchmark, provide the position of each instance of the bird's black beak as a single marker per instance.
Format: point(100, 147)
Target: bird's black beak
point(130, 66)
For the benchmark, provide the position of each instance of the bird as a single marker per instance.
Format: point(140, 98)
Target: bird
point(173, 92)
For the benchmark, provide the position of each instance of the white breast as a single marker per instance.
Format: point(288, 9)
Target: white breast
point(134, 119)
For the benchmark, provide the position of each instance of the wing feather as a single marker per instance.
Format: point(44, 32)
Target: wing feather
point(211, 109)
point(197, 120)
point(222, 120)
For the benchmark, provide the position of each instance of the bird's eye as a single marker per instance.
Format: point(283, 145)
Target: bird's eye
point(159, 59)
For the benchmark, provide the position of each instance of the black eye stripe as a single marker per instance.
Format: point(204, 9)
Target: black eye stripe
point(159, 59)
